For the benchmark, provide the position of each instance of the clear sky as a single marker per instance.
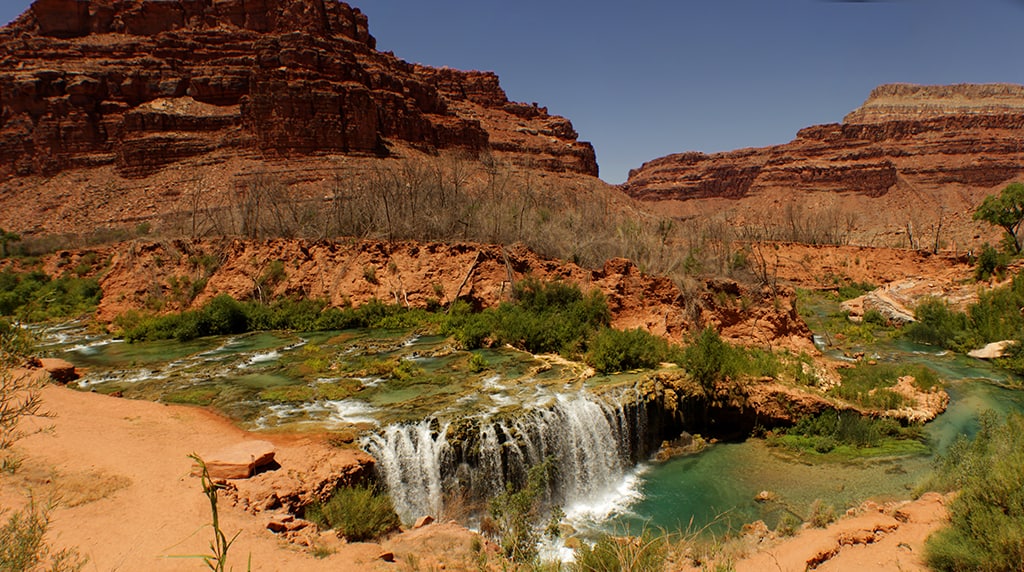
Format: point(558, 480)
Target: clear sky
point(646, 78)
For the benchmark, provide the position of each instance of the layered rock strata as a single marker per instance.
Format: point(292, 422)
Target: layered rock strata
point(144, 84)
point(906, 158)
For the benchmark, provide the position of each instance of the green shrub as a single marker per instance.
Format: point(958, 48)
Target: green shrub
point(986, 530)
point(853, 290)
point(996, 316)
point(542, 318)
point(708, 359)
point(875, 317)
point(869, 385)
point(821, 514)
point(646, 553)
point(23, 547)
point(788, 525)
point(936, 323)
point(358, 513)
point(848, 434)
point(990, 262)
point(515, 514)
point(34, 296)
point(617, 350)
point(477, 363)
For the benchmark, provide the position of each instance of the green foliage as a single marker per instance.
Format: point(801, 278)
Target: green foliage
point(19, 394)
point(938, 325)
point(370, 274)
point(645, 553)
point(876, 318)
point(788, 525)
point(990, 262)
point(986, 530)
point(477, 363)
point(1005, 210)
point(469, 329)
point(851, 290)
point(358, 513)
point(708, 359)
point(516, 513)
point(841, 431)
point(34, 296)
point(543, 318)
point(869, 385)
point(225, 315)
point(549, 317)
point(821, 514)
point(617, 350)
point(22, 545)
point(995, 316)
point(192, 396)
point(7, 237)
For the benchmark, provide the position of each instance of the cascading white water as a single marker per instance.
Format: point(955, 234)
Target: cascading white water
point(410, 457)
point(592, 443)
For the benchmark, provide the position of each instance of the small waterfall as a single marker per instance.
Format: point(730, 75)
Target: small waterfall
point(593, 443)
point(411, 459)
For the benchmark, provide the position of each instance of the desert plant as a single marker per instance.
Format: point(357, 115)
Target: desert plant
point(7, 237)
point(357, 513)
point(707, 359)
point(990, 262)
point(516, 513)
point(19, 393)
point(613, 350)
point(23, 547)
point(644, 553)
point(986, 530)
point(788, 525)
point(219, 546)
point(821, 514)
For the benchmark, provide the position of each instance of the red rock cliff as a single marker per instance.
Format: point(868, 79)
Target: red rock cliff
point(909, 153)
point(143, 84)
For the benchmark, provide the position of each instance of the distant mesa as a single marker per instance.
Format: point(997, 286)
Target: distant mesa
point(909, 155)
point(141, 85)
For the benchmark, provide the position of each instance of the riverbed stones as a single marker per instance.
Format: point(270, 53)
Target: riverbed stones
point(239, 461)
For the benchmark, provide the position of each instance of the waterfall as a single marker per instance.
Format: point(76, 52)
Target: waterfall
point(593, 443)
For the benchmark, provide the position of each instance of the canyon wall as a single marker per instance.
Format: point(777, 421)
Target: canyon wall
point(911, 158)
point(109, 93)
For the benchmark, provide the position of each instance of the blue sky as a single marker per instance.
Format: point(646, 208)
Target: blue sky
point(643, 79)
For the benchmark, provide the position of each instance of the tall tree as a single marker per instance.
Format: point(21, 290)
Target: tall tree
point(1005, 210)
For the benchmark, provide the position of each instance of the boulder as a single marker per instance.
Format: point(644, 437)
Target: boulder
point(423, 521)
point(60, 371)
point(238, 461)
point(993, 350)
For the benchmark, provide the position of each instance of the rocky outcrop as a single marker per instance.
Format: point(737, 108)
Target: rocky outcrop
point(910, 156)
point(419, 274)
point(142, 85)
point(995, 350)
